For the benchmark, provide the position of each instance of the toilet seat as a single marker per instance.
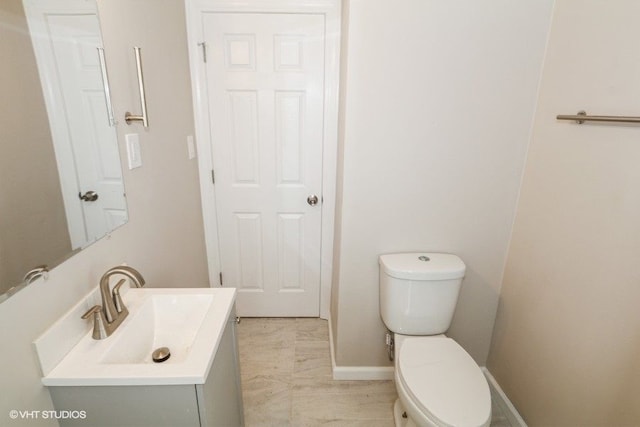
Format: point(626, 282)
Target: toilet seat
point(441, 381)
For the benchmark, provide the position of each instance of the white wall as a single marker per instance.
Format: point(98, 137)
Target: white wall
point(164, 235)
point(566, 346)
point(438, 100)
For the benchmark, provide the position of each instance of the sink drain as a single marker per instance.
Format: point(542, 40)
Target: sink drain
point(161, 354)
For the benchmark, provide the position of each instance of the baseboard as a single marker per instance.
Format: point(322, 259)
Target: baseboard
point(363, 373)
point(503, 401)
point(356, 373)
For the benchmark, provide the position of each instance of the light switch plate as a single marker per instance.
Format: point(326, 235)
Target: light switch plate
point(133, 150)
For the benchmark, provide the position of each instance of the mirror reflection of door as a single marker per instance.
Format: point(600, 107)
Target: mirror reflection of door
point(65, 36)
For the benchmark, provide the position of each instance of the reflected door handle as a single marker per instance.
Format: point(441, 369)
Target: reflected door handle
point(89, 196)
point(312, 200)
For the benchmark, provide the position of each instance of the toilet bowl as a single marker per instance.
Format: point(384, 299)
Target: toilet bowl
point(438, 384)
point(437, 381)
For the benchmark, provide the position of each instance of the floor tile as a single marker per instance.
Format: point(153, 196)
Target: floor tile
point(267, 401)
point(309, 329)
point(312, 360)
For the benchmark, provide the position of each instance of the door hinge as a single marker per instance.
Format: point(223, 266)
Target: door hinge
point(204, 50)
point(213, 177)
point(220, 275)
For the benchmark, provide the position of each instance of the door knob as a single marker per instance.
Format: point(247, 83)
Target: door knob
point(89, 196)
point(312, 200)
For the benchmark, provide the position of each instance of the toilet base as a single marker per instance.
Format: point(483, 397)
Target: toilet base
point(400, 417)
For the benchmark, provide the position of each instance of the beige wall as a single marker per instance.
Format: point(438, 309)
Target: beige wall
point(33, 227)
point(164, 201)
point(438, 99)
point(566, 347)
point(164, 235)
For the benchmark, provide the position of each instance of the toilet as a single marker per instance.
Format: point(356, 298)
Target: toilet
point(438, 383)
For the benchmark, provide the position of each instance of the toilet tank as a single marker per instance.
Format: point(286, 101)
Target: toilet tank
point(419, 291)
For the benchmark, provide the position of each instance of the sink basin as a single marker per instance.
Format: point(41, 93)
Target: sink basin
point(189, 321)
point(170, 321)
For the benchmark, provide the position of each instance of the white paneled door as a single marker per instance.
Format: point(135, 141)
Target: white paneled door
point(265, 78)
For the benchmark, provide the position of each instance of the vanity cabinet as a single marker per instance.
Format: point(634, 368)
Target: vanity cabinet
point(216, 403)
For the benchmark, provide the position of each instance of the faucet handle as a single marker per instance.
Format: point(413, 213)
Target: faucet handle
point(99, 331)
point(92, 310)
point(117, 299)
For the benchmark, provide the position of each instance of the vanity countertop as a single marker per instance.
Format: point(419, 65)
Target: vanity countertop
point(191, 320)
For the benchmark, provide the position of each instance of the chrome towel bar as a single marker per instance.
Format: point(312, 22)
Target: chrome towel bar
point(128, 117)
point(582, 117)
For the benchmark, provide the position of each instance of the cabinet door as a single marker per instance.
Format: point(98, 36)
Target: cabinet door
point(220, 397)
point(126, 406)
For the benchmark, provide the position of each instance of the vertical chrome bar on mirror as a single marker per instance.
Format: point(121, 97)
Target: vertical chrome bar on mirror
point(128, 117)
point(105, 84)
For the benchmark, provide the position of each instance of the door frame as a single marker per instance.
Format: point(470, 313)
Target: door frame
point(331, 9)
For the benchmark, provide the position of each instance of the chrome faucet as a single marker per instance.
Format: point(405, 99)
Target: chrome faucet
point(34, 273)
point(108, 316)
point(111, 302)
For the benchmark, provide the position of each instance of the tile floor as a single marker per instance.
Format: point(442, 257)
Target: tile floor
point(286, 380)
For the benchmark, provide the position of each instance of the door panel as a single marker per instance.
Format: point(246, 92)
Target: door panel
point(265, 77)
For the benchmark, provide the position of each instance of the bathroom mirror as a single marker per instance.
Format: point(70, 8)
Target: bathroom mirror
point(61, 184)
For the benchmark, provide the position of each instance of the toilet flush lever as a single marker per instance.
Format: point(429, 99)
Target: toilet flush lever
point(312, 200)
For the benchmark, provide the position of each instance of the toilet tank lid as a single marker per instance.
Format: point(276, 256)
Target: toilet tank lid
point(422, 266)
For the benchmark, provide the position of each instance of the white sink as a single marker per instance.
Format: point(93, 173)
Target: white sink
point(167, 320)
point(189, 321)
